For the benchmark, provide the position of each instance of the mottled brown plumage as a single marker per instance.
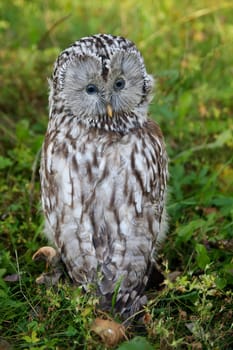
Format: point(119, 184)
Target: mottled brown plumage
point(104, 170)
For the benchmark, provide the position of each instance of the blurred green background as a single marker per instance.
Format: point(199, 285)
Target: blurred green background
point(188, 47)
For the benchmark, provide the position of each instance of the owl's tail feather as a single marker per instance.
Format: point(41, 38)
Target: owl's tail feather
point(134, 305)
point(130, 303)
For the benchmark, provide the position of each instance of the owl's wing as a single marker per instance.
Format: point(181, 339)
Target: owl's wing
point(157, 173)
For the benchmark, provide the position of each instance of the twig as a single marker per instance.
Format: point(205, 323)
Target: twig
point(40, 44)
point(220, 141)
point(188, 18)
point(20, 285)
point(205, 11)
point(32, 182)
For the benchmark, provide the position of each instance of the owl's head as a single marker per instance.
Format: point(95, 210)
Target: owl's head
point(103, 82)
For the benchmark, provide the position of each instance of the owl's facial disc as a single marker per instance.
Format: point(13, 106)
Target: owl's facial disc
point(92, 92)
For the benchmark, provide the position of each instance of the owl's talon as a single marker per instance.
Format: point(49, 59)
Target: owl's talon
point(47, 254)
point(52, 259)
point(49, 279)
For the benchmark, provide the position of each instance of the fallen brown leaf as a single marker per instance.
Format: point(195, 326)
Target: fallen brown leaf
point(147, 318)
point(224, 244)
point(209, 210)
point(172, 276)
point(4, 345)
point(12, 278)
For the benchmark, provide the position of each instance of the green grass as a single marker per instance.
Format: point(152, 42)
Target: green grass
point(188, 47)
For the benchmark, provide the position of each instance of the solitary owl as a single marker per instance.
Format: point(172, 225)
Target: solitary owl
point(104, 170)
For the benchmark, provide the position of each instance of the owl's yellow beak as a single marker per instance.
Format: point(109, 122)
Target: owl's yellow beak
point(109, 110)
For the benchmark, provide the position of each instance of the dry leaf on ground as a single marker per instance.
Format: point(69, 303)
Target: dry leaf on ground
point(110, 332)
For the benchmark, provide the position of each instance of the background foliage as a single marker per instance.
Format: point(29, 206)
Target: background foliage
point(188, 47)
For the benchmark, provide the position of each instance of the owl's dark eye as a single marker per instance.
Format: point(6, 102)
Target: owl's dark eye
point(119, 84)
point(91, 89)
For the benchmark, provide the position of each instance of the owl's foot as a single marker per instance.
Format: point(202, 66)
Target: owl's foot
point(48, 254)
point(53, 263)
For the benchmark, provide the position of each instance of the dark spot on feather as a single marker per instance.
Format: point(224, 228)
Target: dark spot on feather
point(75, 163)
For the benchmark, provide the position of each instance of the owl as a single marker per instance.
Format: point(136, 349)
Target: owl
point(104, 171)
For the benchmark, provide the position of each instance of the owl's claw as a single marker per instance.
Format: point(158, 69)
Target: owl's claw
point(48, 254)
point(53, 261)
point(49, 279)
